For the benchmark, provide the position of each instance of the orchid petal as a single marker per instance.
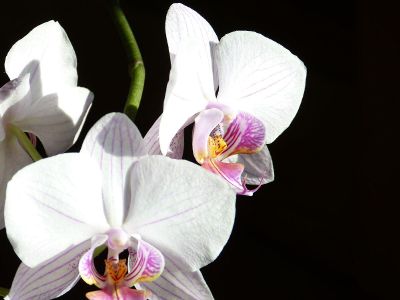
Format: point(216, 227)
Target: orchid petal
point(57, 118)
point(60, 201)
point(176, 283)
point(245, 134)
point(119, 293)
point(259, 76)
point(15, 100)
point(151, 142)
point(146, 263)
point(47, 55)
point(258, 167)
point(190, 213)
point(205, 122)
point(87, 269)
point(188, 91)
point(51, 279)
point(12, 158)
point(183, 23)
point(231, 172)
point(114, 142)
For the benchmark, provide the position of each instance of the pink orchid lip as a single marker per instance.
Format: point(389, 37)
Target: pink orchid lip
point(232, 173)
point(145, 264)
point(214, 140)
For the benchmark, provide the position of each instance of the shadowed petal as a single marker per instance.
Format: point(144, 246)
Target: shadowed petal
point(258, 167)
point(57, 118)
point(12, 159)
point(151, 142)
point(60, 201)
point(183, 23)
point(188, 91)
point(46, 54)
point(51, 279)
point(190, 212)
point(114, 142)
point(259, 76)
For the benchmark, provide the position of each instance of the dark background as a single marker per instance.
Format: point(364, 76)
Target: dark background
point(328, 227)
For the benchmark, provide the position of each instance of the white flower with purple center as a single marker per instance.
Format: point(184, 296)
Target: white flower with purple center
point(42, 99)
point(171, 216)
point(242, 92)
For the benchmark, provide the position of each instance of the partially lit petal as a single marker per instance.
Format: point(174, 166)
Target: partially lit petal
point(151, 142)
point(190, 213)
point(183, 23)
point(57, 118)
point(114, 142)
point(258, 167)
point(189, 89)
point(259, 76)
point(50, 279)
point(46, 54)
point(12, 158)
point(59, 200)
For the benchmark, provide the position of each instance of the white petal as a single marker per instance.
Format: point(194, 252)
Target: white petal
point(12, 159)
point(258, 167)
point(51, 279)
point(177, 283)
point(183, 23)
point(57, 118)
point(47, 55)
point(54, 204)
point(189, 90)
point(151, 142)
point(261, 77)
point(115, 143)
point(180, 208)
point(15, 101)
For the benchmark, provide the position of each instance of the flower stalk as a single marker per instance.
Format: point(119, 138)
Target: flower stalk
point(136, 68)
point(25, 142)
point(4, 292)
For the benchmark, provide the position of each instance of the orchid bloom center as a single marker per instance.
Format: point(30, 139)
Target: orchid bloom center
point(216, 143)
point(115, 271)
point(118, 240)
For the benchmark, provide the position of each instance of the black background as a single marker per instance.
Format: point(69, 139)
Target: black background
point(328, 227)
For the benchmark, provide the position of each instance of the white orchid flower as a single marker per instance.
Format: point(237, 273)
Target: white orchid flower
point(259, 86)
point(41, 99)
point(171, 215)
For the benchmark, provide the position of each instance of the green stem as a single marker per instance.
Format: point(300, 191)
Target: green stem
point(135, 62)
point(25, 142)
point(4, 292)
